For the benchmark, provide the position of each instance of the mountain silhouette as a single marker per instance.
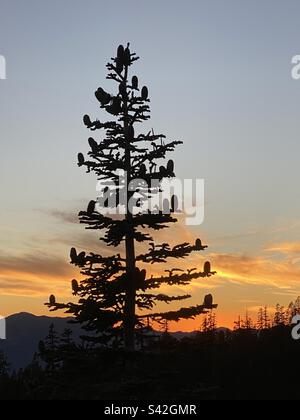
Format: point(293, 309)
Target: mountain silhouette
point(24, 331)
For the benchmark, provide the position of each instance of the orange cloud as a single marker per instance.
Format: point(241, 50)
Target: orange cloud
point(33, 275)
point(257, 270)
point(288, 248)
point(39, 274)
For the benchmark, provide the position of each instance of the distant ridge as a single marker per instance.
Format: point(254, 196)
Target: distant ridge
point(25, 330)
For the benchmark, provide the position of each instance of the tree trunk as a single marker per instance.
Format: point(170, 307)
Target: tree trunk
point(129, 324)
point(129, 311)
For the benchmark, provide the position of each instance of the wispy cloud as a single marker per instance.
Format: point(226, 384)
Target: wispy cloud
point(33, 274)
point(65, 216)
point(259, 232)
point(34, 264)
point(14, 286)
point(242, 280)
point(287, 248)
point(257, 270)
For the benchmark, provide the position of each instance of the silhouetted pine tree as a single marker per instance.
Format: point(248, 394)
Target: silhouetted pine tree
point(116, 293)
point(204, 325)
point(260, 319)
point(292, 310)
point(279, 316)
point(49, 350)
point(238, 324)
point(247, 323)
point(212, 321)
point(297, 305)
point(165, 327)
point(209, 323)
point(266, 318)
point(67, 337)
point(263, 320)
point(4, 365)
point(243, 323)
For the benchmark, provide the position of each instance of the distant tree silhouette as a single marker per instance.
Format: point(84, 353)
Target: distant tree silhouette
point(67, 337)
point(237, 324)
point(165, 328)
point(263, 320)
point(4, 365)
point(204, 325)
point(209, 323)
point(292, 310)
point(297, 305)
point(244, 323)
point(57, 351)
point(116, 292)
point(247, 322)
point(260, 320)
point(279, 316)
point(266, 318)
point(48, 350)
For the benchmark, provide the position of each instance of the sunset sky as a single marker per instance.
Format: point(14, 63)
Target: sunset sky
point(219, 76)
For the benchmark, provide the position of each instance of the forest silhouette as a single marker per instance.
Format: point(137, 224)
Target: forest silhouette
point(257, 360)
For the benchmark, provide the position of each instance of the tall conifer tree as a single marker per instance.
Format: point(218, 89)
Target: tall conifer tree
point(116, 298)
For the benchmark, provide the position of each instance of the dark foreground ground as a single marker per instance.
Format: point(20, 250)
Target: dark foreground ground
point(244, 365)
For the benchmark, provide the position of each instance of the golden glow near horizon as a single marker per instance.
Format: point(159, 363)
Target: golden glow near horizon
point(242, 283)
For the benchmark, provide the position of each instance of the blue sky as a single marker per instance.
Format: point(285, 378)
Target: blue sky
point(219, 75)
